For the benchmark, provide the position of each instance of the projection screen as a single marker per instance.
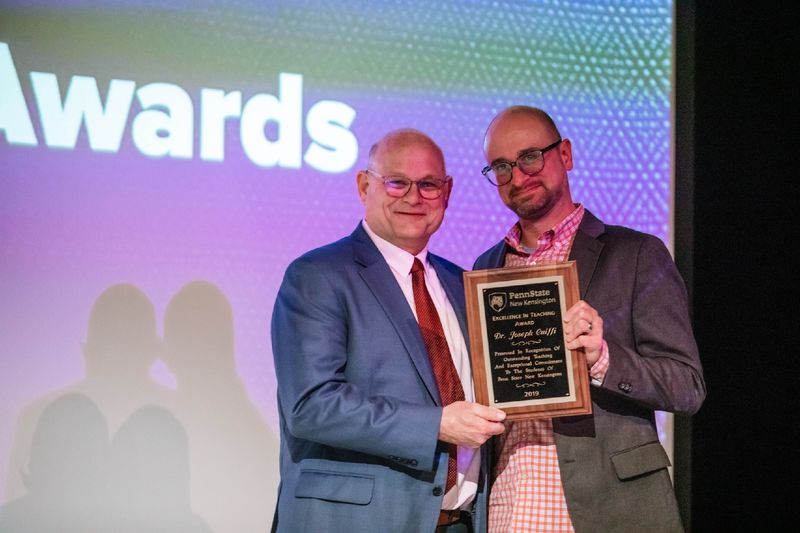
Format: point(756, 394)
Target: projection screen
point(163, 162)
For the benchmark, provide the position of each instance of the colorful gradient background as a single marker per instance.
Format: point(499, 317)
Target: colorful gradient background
point(76, 222)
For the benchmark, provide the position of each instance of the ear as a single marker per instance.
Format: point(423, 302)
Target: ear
point(362, 184)
point(565, 150)
point(448, 188)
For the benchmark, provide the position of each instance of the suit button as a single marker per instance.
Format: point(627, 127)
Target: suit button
point(437, 491)
point(624, 386)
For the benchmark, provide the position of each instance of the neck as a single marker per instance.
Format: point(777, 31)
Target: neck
point(413, 250)
point(532, 229)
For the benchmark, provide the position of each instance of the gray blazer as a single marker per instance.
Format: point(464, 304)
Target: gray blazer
point(613, 467)
point(358, 402)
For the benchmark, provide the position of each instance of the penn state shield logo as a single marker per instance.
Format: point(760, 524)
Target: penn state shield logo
point(497, 301)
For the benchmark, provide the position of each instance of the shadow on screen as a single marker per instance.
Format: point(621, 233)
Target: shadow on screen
point(66, 474)
point(118, 451)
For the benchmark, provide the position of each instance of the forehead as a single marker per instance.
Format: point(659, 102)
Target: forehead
point(513, 133)
point(411, 157)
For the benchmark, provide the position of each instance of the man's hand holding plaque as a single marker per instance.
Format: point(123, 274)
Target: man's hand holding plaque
point(583, 329)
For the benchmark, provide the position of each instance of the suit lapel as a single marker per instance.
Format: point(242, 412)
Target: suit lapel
point(379, 278)
point(586, 249)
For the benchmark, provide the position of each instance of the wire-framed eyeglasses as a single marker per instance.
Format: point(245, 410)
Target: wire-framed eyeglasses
point(530, 163)
point(398, 186)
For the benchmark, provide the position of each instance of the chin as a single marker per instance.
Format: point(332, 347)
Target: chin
point(413, 237)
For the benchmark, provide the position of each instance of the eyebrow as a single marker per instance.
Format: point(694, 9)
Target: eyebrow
point(519, 153)
point(426, 177)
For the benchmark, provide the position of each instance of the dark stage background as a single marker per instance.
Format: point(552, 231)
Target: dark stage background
point(735, 241)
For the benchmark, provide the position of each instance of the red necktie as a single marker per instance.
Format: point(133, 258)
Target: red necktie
point(447, 380)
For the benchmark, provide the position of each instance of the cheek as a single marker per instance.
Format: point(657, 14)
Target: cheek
point(376, 210)
point(436, 215)
point(377, 201)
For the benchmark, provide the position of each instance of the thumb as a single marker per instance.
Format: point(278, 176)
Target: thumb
point(490, 413)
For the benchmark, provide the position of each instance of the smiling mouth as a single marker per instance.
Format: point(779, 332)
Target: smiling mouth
point(517, 191)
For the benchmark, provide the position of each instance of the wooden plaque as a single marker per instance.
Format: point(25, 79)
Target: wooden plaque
point(520, 362)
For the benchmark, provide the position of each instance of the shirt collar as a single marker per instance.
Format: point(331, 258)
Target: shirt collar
point(547, 238)
point(398, 259)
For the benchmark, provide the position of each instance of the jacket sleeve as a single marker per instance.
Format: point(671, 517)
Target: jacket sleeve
point(661, 368)
point(310, 329)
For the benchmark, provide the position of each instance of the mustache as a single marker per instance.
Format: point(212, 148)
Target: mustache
point(515, 189)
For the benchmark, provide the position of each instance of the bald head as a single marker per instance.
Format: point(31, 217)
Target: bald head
point(545, 122)
point(399, 140)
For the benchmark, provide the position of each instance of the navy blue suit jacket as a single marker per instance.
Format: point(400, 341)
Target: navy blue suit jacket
point(358, 401)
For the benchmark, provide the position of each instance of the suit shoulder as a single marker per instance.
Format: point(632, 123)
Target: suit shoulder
point(624, 234)
point(634, 243)
point(489, 258)
point(332, 253)
point(329, 262)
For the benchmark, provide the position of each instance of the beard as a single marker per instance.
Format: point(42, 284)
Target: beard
point(533, 207)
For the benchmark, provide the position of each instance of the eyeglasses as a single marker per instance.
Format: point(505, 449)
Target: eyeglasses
point(398, 186)
point(530, 163)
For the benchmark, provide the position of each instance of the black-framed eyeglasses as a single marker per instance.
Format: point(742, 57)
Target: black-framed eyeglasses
point(530, 163)
point(398, 186)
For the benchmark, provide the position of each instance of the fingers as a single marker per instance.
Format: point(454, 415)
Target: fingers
point(493, 419)
point(582, 319)
point(581, 316)
point(470, 424)
point(583, 329)
point(488, 413)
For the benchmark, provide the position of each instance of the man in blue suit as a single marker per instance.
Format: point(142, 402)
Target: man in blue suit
point(366, 433)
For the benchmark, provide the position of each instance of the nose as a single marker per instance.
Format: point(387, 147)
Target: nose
point(412, 196)
point(517, 175)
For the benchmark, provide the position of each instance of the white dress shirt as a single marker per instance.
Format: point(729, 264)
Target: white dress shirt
point(400, 263)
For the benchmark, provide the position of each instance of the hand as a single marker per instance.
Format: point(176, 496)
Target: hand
point(470, 424)
point(583, 328)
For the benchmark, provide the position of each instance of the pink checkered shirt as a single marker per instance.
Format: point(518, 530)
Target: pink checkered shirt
point(527, 495)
